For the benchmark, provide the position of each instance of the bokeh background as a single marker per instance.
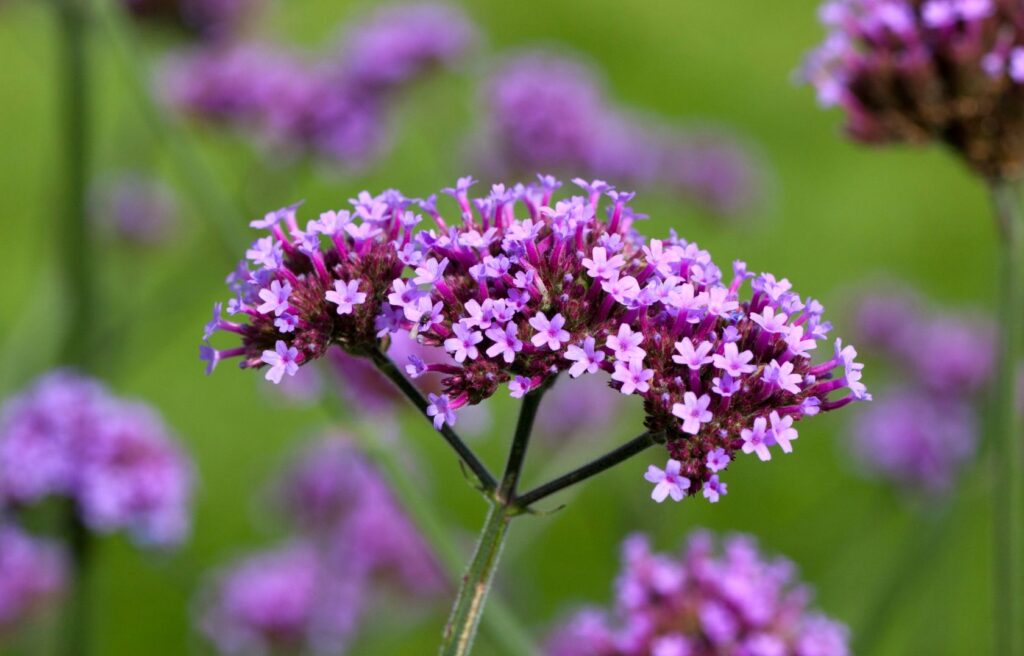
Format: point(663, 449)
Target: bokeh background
point(837, 218)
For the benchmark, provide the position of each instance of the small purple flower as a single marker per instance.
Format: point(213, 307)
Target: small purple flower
point(520, 386)
point(782, 431)
point(275, 299)
point(463, 344)
point(692, 357)
point(440, 408)
point(283, 360)
point(633, 376)
point(346, 295)
point(549, 332)
point(693, 411)
point(585, 358)
point(626, 344)
point(755, 439)
point(506, 343)
point(714, 489)
point(718, 460)
point(734, 362)
point(782, 377)
point(667, 482)
point(601, 267)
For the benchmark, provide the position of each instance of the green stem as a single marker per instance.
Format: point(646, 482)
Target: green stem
point(476, 583)
point(75, 236)
point(189, 166)
point(592, 468)
point(76, 635)
point(500, 625)
point(1008, 454)
point(520, 442)
point(486, 480)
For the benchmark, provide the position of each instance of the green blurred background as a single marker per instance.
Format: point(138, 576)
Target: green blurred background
point(836, 218)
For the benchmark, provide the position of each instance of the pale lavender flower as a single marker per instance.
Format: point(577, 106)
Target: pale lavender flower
point(699, 603)
point(32, 573)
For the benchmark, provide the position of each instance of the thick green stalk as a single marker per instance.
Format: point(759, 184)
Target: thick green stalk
point(76, 258)
point(501, 627)
point(1008, 452)
point(476, 583)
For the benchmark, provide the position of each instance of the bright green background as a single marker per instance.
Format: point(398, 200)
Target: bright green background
point(837, 217)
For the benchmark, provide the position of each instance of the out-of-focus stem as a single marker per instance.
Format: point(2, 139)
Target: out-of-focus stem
point(1008, 452)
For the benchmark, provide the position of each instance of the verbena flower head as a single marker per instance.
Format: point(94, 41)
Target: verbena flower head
point(519, 287)
point(332, 105)
point(915, 439)
point(915, 71)
point(32, 572)
point(282, 601)
point(334, 494)
point(925, 429)
point(701, 603)
point(551, 113)
point(68, 436)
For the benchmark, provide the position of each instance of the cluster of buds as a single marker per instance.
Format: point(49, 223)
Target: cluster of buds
point(915, 71)
point(700, 604)
point(520, 288)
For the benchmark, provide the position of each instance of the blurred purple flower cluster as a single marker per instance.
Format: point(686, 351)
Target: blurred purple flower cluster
point(934, 70)
point(312, 593)
point(334, 105)
point(521, 300)
point(68, 436)
point(32, 572)
point(549, 112)
point(923, 429)
point(135, 208)
point(701, 603)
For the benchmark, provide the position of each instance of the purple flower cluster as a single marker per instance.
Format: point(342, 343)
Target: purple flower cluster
point(282, 601)
point(136, 208)
point(32, 572)
point(312, 593)
point(550, 113)
point(923, 429)
point(214, 20)
point(916, 71)
point(521, 300)
point(333, 105)
point(68, 436)
point(702, 604)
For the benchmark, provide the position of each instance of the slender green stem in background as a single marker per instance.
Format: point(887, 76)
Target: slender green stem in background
point(75, 632)
point(520, 442)
point(592, 468)
point(476, 583)
point(216, 207)
point(77, 259)
point(1008, 454)
point(75, 237)
point(487, 481)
